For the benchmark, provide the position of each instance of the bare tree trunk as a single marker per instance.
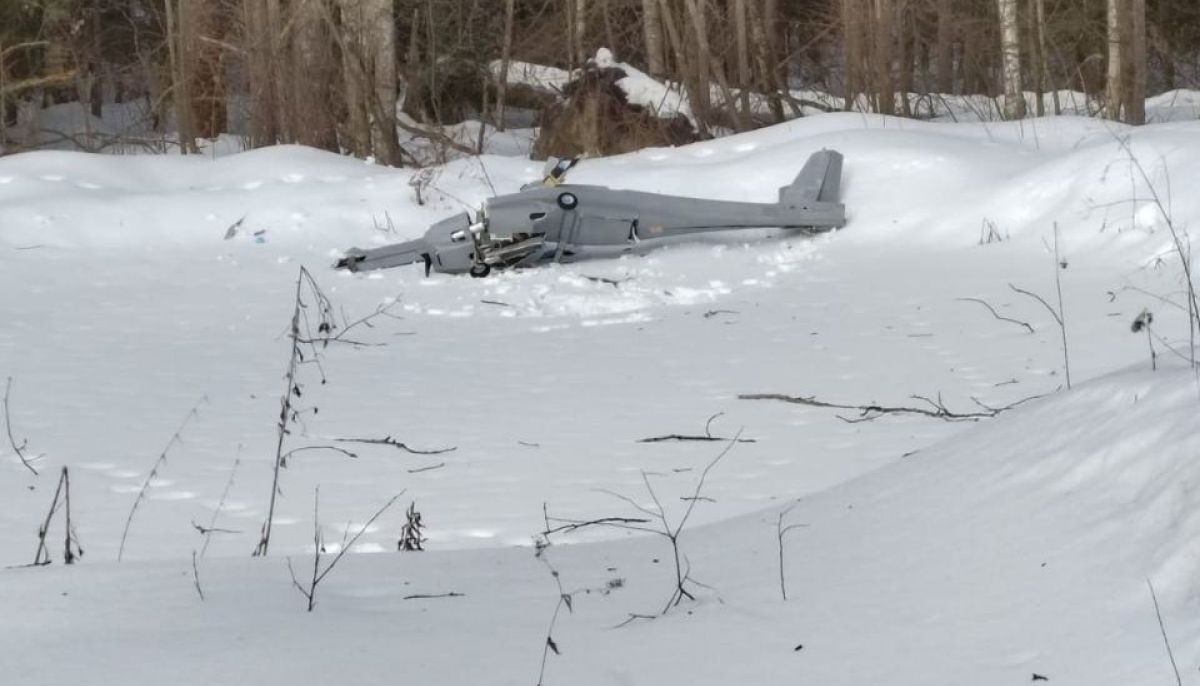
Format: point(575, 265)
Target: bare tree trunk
point(95, 64)
point(280, 69)
point(908, 49)
point(311, 120)
point(1010, 57)
point(652, 34)
point(177, 25)
point(204, 65)
point(885, 90)
point(1136, 112)
point(1043, 65)
point(572, 40)
point(702, 75)
point(777, 50)
point(505, 61)
point(743, 59)
point(673, 37)
point(1115, 86)
point(381, 37)
point(1032, 34)
point(852, 30)
point(264, 118)
point(768, 81)
point(356, 70)
point(945, 46)
point(581, 32)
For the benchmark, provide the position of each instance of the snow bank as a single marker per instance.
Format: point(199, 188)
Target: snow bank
point(904, 180)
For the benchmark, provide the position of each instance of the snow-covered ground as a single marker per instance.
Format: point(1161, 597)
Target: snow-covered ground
point(138, 288)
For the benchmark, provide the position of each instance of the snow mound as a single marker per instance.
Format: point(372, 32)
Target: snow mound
point(1016, 547)
point(903, 180)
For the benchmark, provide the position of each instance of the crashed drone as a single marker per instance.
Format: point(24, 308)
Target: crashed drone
point(560, 222)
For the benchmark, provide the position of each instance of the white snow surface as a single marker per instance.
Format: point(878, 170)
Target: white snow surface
point(927, 552)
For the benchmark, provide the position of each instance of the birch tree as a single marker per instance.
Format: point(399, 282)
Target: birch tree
point(1115, 82)
point(945, 47)
point(1010, 60)
point(652, 35)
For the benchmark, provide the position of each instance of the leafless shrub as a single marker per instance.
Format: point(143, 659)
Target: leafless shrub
point(412, 534)
point(1179, 239)
point(1145, 320)
point(313, 328)
point(72, 551)
point(319, 573)
point(657, 522)
point(989, 232)
point(566, 599)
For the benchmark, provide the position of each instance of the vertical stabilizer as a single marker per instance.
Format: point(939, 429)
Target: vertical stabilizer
point(819, 181)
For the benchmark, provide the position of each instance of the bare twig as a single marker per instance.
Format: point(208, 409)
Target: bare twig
point(158, 463)
point(196, 576)
point(708, 437)
point(1163, 629)
point(564, 600)
point(18, 449)
point(427, 596)
point(687, 437)
point(936, 409)
point(569, 525)
point(1040, 299)
point(388, 440)
point(1056, 314)
point(997, 315)
point(208, 531)
point(780, 532)
point(306, 448)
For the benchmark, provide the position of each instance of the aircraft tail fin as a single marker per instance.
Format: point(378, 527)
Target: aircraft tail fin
point(819, 181)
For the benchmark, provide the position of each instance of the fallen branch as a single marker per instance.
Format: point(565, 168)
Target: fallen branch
point(689, 437)
point(427, 468)
point(388, 440)
point(935, 410)
point(569, 525)
point(997, 315)
point(423, 596)
point(686, 437)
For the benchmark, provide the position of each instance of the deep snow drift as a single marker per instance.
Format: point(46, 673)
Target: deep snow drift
point(932, 552)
